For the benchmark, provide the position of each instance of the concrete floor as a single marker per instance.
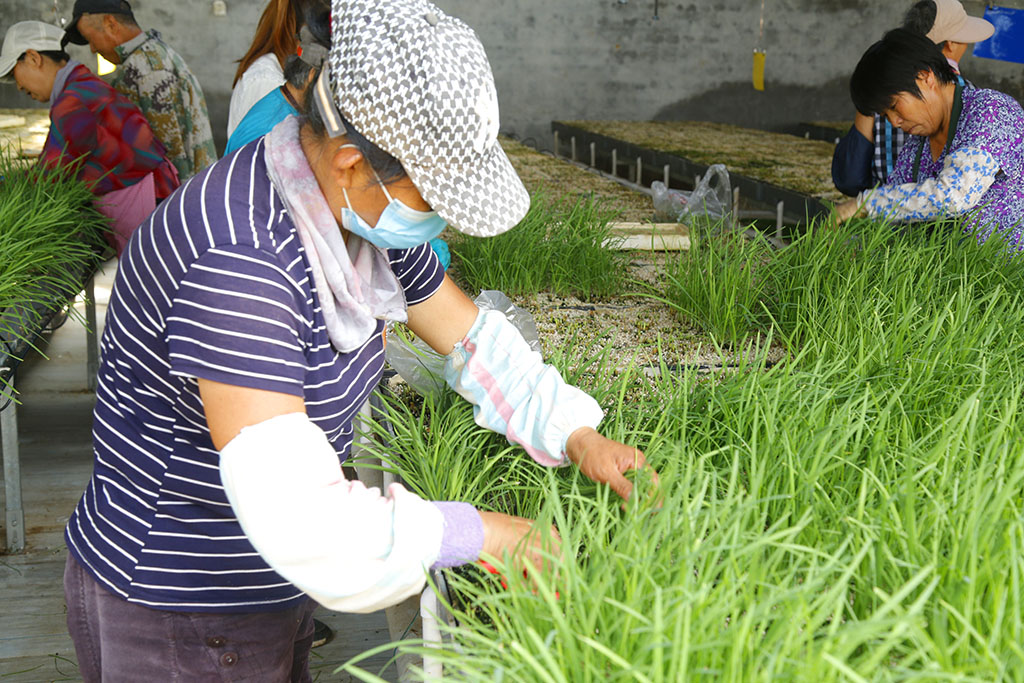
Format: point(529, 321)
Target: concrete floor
point(55, 418)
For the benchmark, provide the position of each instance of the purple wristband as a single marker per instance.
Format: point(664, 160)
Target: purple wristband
point(463, 537)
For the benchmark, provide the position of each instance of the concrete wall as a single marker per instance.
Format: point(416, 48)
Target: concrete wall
point(609, 59)
point(601, 59)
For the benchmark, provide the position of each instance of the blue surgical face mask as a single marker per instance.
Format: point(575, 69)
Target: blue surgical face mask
point(399, 226)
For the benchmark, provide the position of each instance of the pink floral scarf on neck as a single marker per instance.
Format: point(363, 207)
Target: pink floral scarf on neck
point(353, 278)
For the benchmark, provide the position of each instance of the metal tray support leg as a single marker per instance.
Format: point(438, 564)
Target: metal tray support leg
point(92, 340)
point(15, 511)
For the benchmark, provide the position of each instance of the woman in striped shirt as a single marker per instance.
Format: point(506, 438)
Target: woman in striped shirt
point(244, 332)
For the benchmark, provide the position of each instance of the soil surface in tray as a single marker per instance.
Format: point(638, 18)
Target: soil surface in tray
point(804, 166)
point(544, 172)
point(632, 326)
point(24, 130)
point(641, 331)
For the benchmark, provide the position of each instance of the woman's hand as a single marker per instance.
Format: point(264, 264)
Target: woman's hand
point(604, 460)
point(520, 538)
point(847, 210)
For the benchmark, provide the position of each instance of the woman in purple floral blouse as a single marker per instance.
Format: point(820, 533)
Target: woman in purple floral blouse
point(965, 156)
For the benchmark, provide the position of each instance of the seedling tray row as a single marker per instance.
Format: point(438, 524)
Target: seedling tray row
point(600, 150)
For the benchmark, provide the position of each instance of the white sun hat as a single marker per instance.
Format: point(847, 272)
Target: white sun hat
point(416, 83)
point(23, 36)
point(953, 23)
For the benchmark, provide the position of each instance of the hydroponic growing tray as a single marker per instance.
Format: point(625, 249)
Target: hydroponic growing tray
point(829, 131)
point(767, 167)
point(51, 245)
point(544, 172)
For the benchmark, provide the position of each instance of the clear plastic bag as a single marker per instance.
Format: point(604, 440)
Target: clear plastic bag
point(422, 368)
point(711, 199)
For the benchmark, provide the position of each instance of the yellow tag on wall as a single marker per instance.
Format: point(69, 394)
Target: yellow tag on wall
point(758, 70)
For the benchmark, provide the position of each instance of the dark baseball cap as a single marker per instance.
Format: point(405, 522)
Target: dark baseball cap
point(72, 35)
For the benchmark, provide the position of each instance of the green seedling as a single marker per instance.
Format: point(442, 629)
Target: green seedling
point(853, 513)
point(50, 238)
point(559, 247)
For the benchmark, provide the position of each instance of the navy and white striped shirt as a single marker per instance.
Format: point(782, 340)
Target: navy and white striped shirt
point(216, 285)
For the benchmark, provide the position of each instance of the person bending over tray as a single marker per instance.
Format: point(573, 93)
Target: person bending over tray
point(91, 125)
point(245, 330)
point(965, 153)
point(865, 156)
point(285, 100)
point(151, 74)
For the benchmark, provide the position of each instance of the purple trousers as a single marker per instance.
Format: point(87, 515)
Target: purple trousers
point(120, 642)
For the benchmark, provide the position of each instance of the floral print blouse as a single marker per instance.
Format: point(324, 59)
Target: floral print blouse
point(980, 173)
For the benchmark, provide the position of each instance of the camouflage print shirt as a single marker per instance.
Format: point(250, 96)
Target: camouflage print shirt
point(156, 78)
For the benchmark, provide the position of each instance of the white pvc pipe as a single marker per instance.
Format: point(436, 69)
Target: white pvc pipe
point(370, 476)
point(92, 344)
point(780, 209)
point(432, 667)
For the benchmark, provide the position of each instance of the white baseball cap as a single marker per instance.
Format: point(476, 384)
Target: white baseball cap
point(416, 83)
point(27, 35)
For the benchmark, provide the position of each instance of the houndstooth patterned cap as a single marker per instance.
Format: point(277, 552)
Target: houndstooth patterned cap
point(416, 82)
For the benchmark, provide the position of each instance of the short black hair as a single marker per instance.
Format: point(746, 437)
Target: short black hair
point(891, 66)
point(58, 56)
point(126, 18)
point(920, 18)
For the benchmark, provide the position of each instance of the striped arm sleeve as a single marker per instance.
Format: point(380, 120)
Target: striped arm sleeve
point(965, 177)
point(419, 271)
point(236, 319)
point(515, 393)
